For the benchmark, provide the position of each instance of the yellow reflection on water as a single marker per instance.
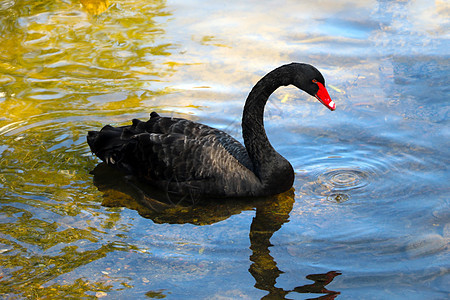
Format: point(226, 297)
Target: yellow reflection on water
point(53, 54)
point(95, 7)
point(61, 64)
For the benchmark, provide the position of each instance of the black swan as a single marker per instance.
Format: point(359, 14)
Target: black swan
point(187, 158)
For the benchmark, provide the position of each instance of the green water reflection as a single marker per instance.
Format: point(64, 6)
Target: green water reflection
point(55, 57)
point(57, 61)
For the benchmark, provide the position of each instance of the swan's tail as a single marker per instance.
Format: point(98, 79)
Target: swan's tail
point(114, 146)
point(108, 144)
point(117, 145)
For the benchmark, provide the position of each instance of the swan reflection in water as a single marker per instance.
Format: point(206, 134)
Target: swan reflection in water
point(271, 214)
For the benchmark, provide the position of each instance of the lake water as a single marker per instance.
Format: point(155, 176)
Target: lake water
point(368, 216)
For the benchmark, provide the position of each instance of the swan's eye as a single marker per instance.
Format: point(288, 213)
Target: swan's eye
point(315, 81)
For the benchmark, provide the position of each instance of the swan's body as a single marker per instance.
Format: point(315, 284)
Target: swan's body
point(184, 157)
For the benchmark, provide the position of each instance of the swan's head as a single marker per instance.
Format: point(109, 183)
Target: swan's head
point(310, 80)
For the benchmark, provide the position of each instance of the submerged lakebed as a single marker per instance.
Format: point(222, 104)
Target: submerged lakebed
point(368, 214)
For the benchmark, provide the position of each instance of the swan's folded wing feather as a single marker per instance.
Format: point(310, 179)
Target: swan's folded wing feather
point(195, 132)
point(176, 155)
point(172, 156)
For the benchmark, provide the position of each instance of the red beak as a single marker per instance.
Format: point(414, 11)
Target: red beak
point(324, 98)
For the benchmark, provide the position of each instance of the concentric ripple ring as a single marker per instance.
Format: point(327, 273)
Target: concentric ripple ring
point(342, 181)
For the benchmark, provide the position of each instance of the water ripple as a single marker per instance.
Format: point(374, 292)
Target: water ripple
point(341, 181)
point(348, 176)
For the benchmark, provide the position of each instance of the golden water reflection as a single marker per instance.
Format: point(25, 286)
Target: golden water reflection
point(95, 7)
point(61, 65)
point(58, 58)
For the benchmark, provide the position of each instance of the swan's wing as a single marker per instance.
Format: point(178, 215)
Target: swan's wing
point(168, 156)
point(195, 133)
point(168, 148)
point(176, 157)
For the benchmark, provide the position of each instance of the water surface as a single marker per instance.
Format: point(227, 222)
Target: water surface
point(368, 215)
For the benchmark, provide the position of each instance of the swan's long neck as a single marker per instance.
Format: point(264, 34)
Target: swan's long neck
point(264, 157)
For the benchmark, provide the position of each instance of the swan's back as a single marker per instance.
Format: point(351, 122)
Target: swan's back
point(179, 156)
